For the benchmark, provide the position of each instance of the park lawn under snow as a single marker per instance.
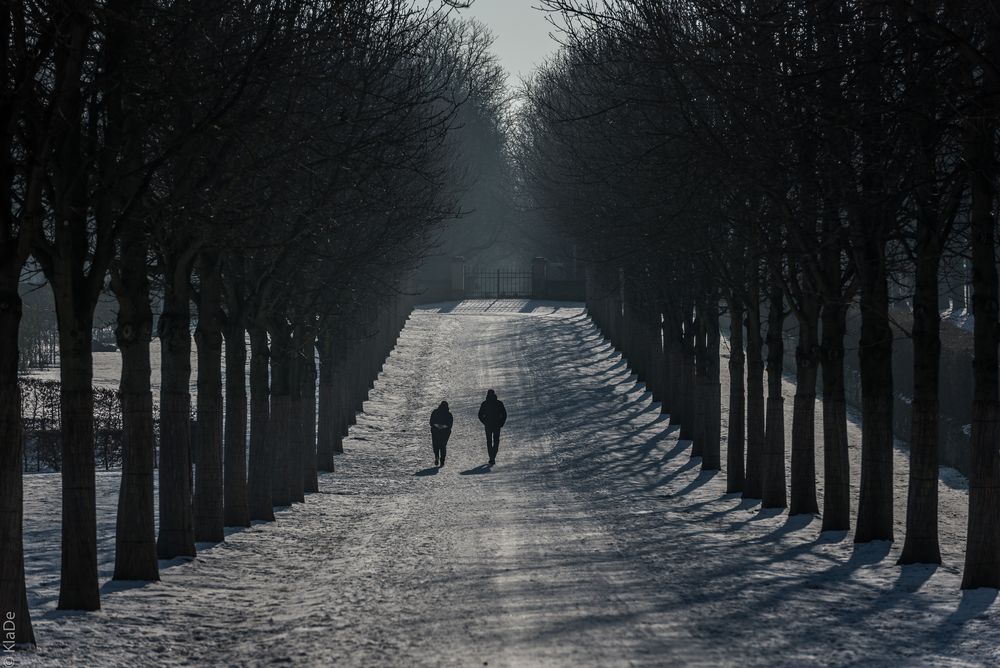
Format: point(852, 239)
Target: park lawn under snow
point(595, 540)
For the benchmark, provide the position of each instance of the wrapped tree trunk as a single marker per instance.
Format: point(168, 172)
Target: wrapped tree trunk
point(259, 501)
point(13, 596)
point(135, 530)
point(208, 504)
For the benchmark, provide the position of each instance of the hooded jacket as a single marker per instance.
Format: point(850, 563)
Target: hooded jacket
point(441, 418)
point(492, 412)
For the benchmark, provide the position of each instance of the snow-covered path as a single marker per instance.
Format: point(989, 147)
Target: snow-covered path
point(595, 540)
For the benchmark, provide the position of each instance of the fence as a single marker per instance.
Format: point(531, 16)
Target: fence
point(498, 284)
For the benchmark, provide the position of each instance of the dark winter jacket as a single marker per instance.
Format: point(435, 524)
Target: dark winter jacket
point(441, 417)
point(492, 412)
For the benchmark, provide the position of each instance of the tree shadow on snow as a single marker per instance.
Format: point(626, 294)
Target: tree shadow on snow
point(974, 603)
point(112, 586)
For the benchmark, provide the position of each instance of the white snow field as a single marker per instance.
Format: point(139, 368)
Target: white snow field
point(594, 541)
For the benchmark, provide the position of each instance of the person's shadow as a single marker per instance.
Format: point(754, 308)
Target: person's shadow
point(479, 470)
point(432, 470)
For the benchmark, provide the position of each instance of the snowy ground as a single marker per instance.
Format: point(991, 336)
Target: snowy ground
point(595, 540)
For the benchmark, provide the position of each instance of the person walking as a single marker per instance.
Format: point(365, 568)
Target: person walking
point(441, 422)
point(493, 415)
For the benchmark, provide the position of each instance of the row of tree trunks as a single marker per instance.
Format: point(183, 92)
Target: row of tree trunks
point(634, 325)
point(756, 453)
point(675, 354)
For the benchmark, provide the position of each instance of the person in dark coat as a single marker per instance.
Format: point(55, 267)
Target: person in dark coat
point(493, 415)
point(441, 422)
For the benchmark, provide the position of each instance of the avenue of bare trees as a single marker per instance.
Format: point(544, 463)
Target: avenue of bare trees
point(257, 179)
point(736, 164)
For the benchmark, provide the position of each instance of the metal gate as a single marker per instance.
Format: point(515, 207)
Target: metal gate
point(497, 284)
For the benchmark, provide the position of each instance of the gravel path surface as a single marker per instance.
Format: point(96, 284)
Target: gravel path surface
point(594, 541)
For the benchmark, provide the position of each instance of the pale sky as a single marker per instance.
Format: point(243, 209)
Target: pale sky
point(522, 33)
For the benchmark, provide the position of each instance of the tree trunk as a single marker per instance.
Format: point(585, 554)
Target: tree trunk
point(712, 451)
point(328, 429)
point(875, 349)
point(690, 378)
point(135, 531)
point(674, 337)
point(773, 491)
point(665, 372)
point(13, 596)
point(78, 586)
point(699, 398)
point(310, 481)
point(176, 535)
point(209, 522)
point(982, 554)
point(803, 487)
point(295, 445)
point(236, 511)
point(921, 542)
point(836, 459)
point(278, 424)
point(261, 458)
point(753, 487)
point(735, 440)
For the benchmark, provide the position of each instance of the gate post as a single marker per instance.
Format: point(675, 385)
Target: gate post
point(458, 277)
point(538, 288)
